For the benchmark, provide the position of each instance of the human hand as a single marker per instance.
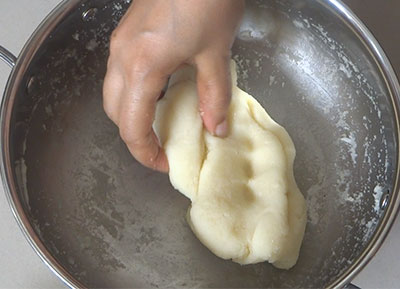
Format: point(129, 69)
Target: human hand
point(153, 39)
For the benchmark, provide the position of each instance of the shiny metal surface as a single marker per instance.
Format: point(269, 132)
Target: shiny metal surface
point(99, 219)
point(7, 56)
point(385, 29)
point(89, 14)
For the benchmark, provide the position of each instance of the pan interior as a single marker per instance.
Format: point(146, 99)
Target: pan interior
point(113, 223)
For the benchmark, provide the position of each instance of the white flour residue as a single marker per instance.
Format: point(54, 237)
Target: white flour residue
point(343, 185)
point(75, 36)
point(345, 70)
point(243, 65)
point(256, 25)
point(271, 80)
point(313, 200)
point(337, 59)
point(117, 6)
point(378, 193)
point(368, 228)
point(298, 23)
point(92, 44)
point(350, 141)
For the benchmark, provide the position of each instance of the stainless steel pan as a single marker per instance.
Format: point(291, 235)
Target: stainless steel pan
point(99, 219)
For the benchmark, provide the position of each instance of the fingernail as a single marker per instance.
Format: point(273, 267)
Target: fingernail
point(222, 129)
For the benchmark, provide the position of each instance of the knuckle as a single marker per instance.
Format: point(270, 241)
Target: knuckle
point(107, 107)
point(142, 64)
point(115, 40)
point(132, 136)
point(140, 55)
point(148, 54)
point(127, 134)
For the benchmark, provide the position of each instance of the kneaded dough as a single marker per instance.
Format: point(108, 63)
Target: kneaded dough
point(246, 205)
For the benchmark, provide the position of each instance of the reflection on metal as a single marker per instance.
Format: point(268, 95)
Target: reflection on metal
point(89, 14)
point(7, 57)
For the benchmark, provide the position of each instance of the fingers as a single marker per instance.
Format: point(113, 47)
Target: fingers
point(112, 90)
point(136, 117)
point(214, 90)
point(130, 103)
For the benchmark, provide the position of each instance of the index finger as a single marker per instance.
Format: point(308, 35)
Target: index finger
point(136, 119)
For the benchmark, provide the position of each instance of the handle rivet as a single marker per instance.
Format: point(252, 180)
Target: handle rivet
point(384, 201)
point(89, 14)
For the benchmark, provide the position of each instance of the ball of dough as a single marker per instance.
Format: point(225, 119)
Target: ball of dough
point(246, 205)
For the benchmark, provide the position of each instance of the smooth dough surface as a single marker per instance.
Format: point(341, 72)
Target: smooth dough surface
point(246, 205)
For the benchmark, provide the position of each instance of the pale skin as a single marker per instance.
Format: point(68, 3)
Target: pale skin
point(154, 39)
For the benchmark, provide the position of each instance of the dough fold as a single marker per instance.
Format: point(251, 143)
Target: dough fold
point(246, 205)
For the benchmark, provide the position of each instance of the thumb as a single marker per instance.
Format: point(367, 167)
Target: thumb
point(214, 90)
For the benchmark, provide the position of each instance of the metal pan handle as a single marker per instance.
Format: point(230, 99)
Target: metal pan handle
point(351, 286)
point(7, 57)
